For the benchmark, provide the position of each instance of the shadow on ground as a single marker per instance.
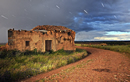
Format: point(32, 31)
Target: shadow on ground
point(101, 70)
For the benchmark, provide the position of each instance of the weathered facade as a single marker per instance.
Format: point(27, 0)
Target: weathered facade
point(43, 38)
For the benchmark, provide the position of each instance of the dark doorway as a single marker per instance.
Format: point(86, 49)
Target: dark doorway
point(48, 45)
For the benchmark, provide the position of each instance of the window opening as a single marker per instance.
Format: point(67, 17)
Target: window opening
point(27, 43)
point(69, 33)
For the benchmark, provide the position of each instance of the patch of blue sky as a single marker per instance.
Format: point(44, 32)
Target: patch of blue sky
point(78, 19)
point(75, 19)
point(117, 33)
point(127, 23)
point(80, 13)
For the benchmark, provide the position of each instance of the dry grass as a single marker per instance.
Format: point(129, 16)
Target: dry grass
point(20, 65)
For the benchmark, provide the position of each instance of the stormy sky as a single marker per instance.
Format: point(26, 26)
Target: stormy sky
point(92, 20)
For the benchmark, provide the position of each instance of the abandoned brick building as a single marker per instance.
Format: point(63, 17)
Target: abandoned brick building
point(43, 38)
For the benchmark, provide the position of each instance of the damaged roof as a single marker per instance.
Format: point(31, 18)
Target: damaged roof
point(51, 28)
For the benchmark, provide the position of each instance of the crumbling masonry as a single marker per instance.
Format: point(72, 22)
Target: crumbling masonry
point(43, 38)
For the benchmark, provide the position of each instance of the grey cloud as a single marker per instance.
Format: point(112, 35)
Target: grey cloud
point(88, 36)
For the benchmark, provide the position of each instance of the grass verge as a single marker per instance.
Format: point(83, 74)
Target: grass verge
point(16, 65)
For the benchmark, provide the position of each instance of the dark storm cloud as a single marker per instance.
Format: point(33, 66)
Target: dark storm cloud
point(23, 13)
point(83, 27)
point(31, 12)
point(78, 15)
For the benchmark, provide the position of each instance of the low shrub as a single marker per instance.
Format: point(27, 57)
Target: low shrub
point(79, 50)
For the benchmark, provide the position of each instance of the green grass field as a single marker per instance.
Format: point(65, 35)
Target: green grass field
point(2, 45)
point(125, 49)
point(15, 65)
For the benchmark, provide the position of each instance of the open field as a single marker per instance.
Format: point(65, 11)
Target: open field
point(15, 65)
point(107, 42)
point(2, 45)
point(124, 49)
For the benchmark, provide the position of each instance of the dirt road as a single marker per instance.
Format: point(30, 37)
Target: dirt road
point(100, 66)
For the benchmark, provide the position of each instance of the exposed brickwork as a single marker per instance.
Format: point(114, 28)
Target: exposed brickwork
point(61, 37)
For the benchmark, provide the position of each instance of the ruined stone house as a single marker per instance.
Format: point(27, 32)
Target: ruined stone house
point(43, 38)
